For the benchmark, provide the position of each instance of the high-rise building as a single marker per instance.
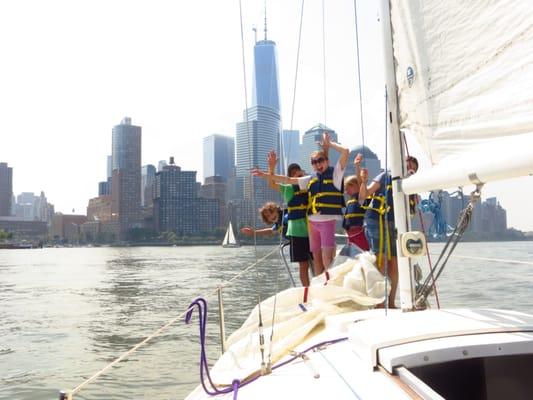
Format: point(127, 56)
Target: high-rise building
point(310, 143)
point(126, 186)
point(215, 187)
point(6, 189)
point(290, 147)
point(265, 79)
point(177, 207)
point(219, 156)
point(147, 184)
point(161, 164)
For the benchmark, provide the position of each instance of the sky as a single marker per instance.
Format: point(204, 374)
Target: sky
point(71, 70)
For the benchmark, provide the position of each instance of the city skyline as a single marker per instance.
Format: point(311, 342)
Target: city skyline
point(65, 85)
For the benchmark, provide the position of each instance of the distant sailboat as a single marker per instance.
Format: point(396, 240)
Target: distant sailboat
point(229, 238)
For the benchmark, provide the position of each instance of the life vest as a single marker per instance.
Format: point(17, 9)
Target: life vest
point(324, 197)
point(281, 225)
point(354, 214)
point(381, 203)
point(297, 205)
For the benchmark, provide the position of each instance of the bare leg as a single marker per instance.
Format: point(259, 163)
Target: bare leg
point(304, 274)
point(317, 262)
point(328, 253)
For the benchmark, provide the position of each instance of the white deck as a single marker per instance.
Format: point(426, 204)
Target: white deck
point(362, 367)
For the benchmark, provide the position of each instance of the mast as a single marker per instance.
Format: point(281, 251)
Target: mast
point(401, 219)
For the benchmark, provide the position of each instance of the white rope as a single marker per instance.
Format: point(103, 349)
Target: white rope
point(324, 58)
point(156, 333)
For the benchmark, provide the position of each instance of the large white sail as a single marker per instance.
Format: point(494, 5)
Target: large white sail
point(464, 72)
point(229, 238)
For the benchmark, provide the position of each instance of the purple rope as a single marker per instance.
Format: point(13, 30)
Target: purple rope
point(201, 304)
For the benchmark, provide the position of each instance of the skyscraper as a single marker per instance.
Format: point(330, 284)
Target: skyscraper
point(290, 150)
point(6, 189)
point(259, 132)
point(219, 156)
point(147, 183)
point(126, 187)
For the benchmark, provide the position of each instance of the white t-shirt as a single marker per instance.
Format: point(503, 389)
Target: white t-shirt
point(338, 174)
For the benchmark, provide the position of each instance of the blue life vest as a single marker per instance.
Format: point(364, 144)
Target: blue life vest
point(324, 197)
point(354, 214)
point(281, 224)
point(297, 205)
point(381, 201)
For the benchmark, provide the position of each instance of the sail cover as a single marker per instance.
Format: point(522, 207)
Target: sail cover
point(464, 73)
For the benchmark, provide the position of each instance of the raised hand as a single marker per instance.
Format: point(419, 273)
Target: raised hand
point(272, 160)
point(363, 175)
point(358, 159)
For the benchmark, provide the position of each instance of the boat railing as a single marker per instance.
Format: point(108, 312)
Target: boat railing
point(69, 395)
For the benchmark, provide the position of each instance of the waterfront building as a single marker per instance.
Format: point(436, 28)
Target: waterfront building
point(99, 209)
point(66, 226)
point(177, 207)
point(216, 188)
point(6, 189)
point(147, 184)
point(290, 148)
point(22, 229)
point(310, 143)
point(126, 175)
point(218, 156)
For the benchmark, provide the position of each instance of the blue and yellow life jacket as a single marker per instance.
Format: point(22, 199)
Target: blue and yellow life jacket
point(381, 203)
point(297, 205)
point(324, 197)
point(354, 214)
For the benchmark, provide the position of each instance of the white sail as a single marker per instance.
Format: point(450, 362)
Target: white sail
point(464, 72)
point(229, 238)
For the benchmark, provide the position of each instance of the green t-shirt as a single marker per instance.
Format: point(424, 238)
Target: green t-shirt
point(296, 227)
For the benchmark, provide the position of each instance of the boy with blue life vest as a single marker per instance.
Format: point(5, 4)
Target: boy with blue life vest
point(354, 213)
point(296, 200)
point(379, 227)
point(326, 200)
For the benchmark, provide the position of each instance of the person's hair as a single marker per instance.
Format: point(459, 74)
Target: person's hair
point(351, 180)
point(293, 168)
point(413, 160)
point(317, 153)
point(267, 208)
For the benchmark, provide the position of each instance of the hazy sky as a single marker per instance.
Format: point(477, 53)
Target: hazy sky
point(71, 70)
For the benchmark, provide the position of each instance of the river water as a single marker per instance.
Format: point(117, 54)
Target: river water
point(65, 313)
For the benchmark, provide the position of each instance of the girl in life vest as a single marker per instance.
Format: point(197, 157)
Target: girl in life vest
point(326, 199)
point(355, 210)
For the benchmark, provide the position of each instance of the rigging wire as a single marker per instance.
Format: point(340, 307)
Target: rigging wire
point(258, 287)
point(387, 237)
point(359, 79)
point(430, 264)
point(324, 58)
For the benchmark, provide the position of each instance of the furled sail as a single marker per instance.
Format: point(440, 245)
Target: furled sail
point(464, 73)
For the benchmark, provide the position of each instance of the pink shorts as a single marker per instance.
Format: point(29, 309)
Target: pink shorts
point(321, 235)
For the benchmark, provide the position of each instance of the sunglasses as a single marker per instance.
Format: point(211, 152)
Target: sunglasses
point(318, 160)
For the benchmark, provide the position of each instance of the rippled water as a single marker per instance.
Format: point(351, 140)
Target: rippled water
point(66, 313)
